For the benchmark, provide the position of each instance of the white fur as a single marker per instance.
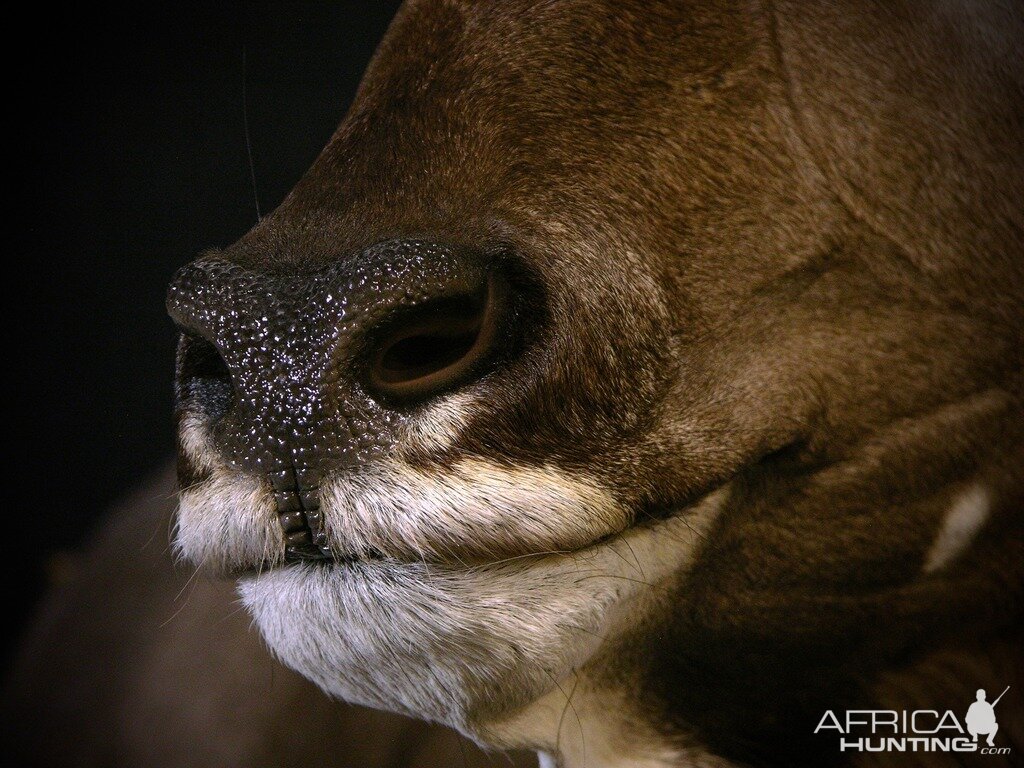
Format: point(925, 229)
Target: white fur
point(962, 523)
point(590, 725)
point(194, 435)
point(438, 428)
point(478, 510)
point(229, 520)
point(468, 646)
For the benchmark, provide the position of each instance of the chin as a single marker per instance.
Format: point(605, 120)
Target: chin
point(471, 644)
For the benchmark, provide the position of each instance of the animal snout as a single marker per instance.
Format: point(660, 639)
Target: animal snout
point(301, 371)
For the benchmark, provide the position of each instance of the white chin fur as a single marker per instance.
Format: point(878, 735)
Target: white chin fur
point(468, 647)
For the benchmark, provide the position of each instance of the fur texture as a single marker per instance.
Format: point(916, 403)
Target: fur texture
point(779, 248)
point(466, 646)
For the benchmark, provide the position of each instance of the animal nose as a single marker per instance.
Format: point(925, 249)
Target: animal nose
point(314, 368)
point(297, 372)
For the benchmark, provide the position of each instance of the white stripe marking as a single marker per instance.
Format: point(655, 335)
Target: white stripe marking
point(965, 518)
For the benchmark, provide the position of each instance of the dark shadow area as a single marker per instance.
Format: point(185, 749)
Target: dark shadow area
point(130, 158)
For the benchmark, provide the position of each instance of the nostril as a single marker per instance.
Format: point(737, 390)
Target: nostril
point(424, 346)
point(202, 377)
point(437, 346)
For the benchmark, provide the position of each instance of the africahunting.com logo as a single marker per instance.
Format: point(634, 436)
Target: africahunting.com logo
point(918, 730)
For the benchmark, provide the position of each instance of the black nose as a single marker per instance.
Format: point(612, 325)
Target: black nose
point(306, 370)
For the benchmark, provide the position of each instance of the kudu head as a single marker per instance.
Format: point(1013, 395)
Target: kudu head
point(661, 358)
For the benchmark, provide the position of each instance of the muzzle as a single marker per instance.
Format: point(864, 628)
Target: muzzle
point(299, 374)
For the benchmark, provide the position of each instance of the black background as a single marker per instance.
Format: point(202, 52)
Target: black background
point(129, 153)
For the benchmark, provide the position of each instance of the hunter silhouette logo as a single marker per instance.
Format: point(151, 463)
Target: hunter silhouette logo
point(981, 717)
point(919, 730)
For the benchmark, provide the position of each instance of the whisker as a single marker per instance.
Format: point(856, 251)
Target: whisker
point(617, 576)
point(561, 719)
point(629, 546)
point(248, 139)
point(186, 584)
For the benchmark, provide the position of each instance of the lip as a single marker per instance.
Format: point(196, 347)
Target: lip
point(256, 569)
point(351, 561)
point(325, 559)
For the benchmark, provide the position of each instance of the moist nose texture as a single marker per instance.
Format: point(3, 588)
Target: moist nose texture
point(295, 372)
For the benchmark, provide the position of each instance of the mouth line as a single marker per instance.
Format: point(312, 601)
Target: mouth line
point(296, 496)
point(320, 557)
point(314, 550)
point(354, 561)
point(313, 559)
